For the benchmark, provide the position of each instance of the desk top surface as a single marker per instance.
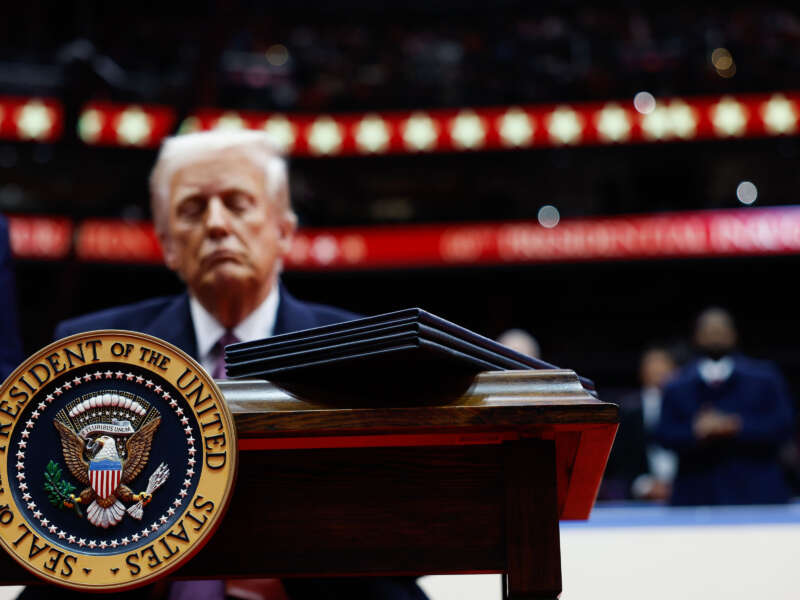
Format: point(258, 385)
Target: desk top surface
point(488, 408)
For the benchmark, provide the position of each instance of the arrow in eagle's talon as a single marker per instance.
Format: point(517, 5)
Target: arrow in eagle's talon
point(156, 480)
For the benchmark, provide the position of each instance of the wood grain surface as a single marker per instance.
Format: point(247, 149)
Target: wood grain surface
point(502, 456)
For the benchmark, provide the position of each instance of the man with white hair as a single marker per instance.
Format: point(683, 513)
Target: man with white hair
point(221, 209)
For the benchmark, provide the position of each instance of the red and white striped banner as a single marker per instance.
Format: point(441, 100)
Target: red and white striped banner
point(734, 232)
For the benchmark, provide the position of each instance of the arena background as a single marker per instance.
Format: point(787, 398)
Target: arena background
point(419, 135)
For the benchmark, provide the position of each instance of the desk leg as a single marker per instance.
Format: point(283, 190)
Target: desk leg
point(533, 554)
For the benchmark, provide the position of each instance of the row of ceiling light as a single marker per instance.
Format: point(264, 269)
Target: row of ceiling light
point(644, 119)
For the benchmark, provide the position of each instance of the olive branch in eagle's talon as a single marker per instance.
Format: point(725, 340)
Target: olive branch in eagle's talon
point(59, 490)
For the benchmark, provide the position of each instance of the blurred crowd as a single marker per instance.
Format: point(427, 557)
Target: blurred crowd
point(368, 61)
point(592, 53)
point(717, 430)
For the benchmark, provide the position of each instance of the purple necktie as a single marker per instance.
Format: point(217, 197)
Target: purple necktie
point(206, 589)
point(268, 589)
point(219, 351)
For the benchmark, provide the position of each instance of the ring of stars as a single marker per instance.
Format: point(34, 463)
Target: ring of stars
point(159, 521)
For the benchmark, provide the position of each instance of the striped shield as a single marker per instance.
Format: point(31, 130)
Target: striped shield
point(104, 475)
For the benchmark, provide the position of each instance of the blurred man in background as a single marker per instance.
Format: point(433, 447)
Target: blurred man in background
point(221, 209)
point(639, 467)
point(10, 346)
point(727, 416)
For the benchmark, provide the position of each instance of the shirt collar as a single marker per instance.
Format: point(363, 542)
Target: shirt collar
point(258, 324)
point(714, 372)
point(651, 406)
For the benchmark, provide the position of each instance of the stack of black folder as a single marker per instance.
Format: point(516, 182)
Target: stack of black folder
point(411, 342)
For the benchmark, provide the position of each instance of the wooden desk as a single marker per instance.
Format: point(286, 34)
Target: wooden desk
point(471, 481)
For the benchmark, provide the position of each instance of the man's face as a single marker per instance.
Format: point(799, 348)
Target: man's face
point(715, 335)
point(656, 368)
point(225, 234)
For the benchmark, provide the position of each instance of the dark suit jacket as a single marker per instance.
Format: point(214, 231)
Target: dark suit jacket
point(169, 319)
point(10, 346)
point(741, 470)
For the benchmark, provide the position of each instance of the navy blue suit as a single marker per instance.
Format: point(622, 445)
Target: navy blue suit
point(169, 319)
point(10, 346)
point(743, 469)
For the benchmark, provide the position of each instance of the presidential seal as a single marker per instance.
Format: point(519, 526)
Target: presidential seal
point(117, 460)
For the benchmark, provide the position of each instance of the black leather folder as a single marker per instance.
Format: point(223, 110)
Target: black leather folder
point(410, 341)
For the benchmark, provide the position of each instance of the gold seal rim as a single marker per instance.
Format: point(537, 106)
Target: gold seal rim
point(231, 469)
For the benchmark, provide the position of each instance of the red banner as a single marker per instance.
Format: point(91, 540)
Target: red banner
point(108, 240)
point(40, 237)
point(466, 129)
point(110, 124)
point(524, 126)
point(30, 119)
point(678, 235)
point(735, 232)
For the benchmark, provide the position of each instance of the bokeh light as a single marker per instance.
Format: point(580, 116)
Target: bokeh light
point(277, 55)
point(644, 102)
point(721, 59)
point(548, 216)
point(723, 62)
point(746, 192)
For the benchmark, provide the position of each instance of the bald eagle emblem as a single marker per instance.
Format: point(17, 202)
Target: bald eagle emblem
point(106, 439)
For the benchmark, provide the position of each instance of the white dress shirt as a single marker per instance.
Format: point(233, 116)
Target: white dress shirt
point(714, 372)
point(662, 463)
point(258, 324)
